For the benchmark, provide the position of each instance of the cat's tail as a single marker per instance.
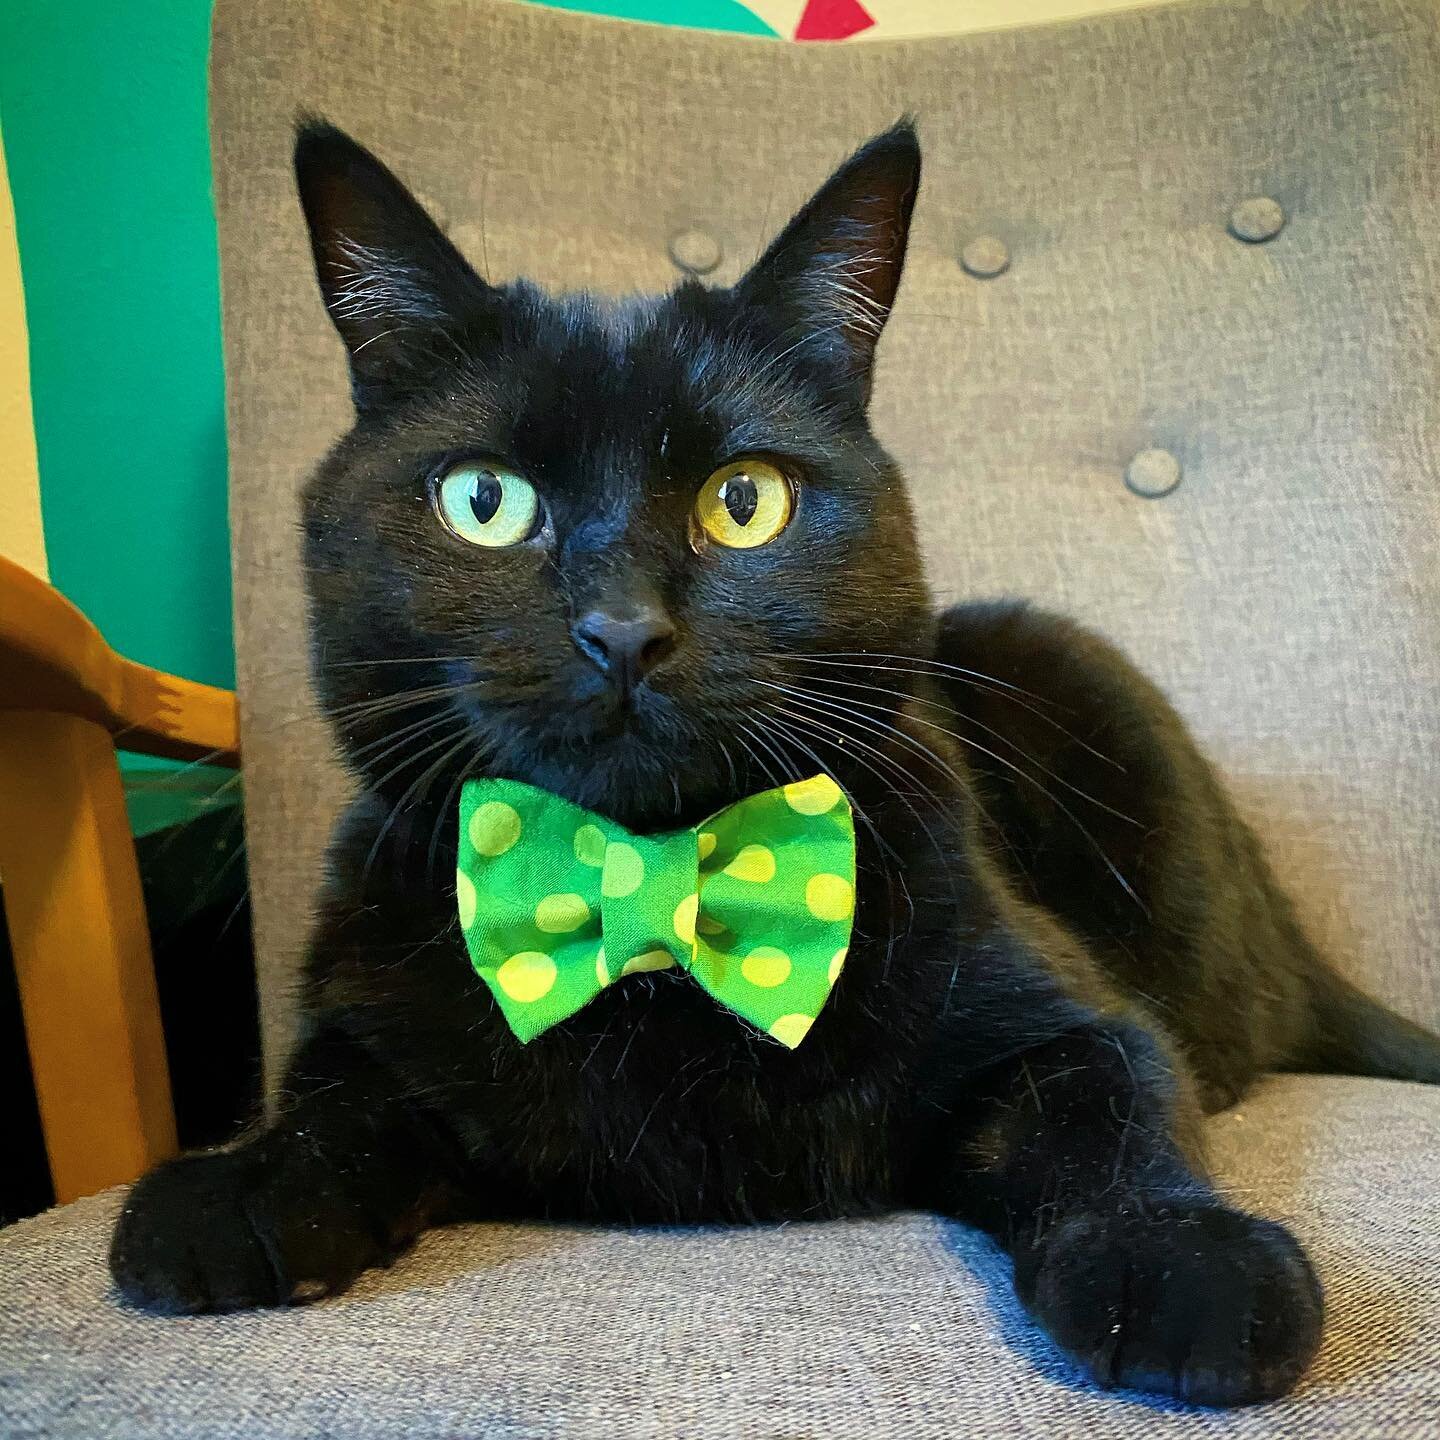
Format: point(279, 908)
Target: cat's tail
point(1356, 1035)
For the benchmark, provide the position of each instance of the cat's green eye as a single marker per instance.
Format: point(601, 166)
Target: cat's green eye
point(744, 504)
point(487, 503)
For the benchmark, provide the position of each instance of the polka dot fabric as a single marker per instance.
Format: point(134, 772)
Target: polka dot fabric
point(756, 902)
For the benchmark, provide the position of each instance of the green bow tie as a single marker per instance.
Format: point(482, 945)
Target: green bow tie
point(756, 903)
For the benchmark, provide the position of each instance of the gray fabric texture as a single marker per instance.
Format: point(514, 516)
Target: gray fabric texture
point(903, 1327)
point(1286, 593)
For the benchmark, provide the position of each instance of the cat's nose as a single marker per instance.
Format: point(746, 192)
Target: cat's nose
point(627, 644)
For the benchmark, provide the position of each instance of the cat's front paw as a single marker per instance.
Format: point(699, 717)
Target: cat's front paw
point(234, 1229)
point(1197, 1302)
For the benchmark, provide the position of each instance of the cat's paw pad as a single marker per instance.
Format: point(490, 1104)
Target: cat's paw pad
point(225, 1231)
point(1197, 1302)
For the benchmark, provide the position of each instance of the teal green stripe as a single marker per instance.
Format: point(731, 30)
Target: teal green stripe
point(105, 133)
point(696, 14)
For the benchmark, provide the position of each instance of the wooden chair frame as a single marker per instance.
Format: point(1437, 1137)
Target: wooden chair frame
point(72, 894)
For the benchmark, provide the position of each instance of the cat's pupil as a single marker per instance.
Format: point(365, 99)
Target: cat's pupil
point(741, 498)
point(485, 497)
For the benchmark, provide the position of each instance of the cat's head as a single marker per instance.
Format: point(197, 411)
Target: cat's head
point(607, 547)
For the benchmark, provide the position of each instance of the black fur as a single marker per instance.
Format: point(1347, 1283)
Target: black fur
point(1067, 944)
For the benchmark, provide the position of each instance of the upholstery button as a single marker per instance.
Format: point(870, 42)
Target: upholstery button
point(695, 252)
point(1256, 220)
point(1153, 473)
point(985, 257)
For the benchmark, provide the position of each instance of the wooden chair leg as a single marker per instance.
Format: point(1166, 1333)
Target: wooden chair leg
point(82, 953)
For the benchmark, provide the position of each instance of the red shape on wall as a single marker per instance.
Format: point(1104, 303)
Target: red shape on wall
point(832, 20)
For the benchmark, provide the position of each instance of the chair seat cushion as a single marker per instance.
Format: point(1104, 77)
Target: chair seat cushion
point(904, 1326)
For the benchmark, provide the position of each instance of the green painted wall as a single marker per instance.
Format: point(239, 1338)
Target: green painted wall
point(104, 125)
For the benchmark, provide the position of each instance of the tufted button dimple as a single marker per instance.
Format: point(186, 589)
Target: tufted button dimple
point(1257, 219)
point(695, 252)
point(1153, 473)
point(985, 257)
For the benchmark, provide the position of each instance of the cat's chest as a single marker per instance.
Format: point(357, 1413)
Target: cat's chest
point(679, 1113)
point(654, 1103)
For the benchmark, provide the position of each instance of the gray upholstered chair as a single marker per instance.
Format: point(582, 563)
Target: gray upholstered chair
point(1282, 356)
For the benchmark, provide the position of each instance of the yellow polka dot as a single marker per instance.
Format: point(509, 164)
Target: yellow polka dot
point(527, 976)
point(560, 914)
point(465, 899)
point(829, 897)
point(814, 796)
point(624, 871)
point(650, 960)
point(766, 966)
point(494, 827)
point(754, 862)
point(706, 841)
point(792, 1029)
point(708, 925)
point(590, 845)
point(837, 964)
point(685, 913)
point(602, 971)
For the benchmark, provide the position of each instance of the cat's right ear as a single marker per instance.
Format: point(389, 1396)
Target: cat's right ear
point(395, 287)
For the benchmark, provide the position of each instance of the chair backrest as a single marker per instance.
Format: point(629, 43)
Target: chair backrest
point(1287, 592)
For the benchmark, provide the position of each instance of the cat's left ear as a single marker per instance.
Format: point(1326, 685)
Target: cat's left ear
point(830, 278)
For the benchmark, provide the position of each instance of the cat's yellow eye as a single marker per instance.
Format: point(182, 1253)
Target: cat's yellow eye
point(744, 504)
point(487, 503)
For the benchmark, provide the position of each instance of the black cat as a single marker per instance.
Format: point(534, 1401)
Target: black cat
point(1067, 946)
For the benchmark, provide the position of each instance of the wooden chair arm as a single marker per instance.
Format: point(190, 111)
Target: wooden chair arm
point(73, 902)
point(53, 659)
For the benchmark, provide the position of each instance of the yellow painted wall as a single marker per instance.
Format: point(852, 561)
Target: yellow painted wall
point(21, 537)
point(896, 18)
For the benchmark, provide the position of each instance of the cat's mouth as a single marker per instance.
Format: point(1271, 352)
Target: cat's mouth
point(594, 720)
point(628, 723)
point(638, 757)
